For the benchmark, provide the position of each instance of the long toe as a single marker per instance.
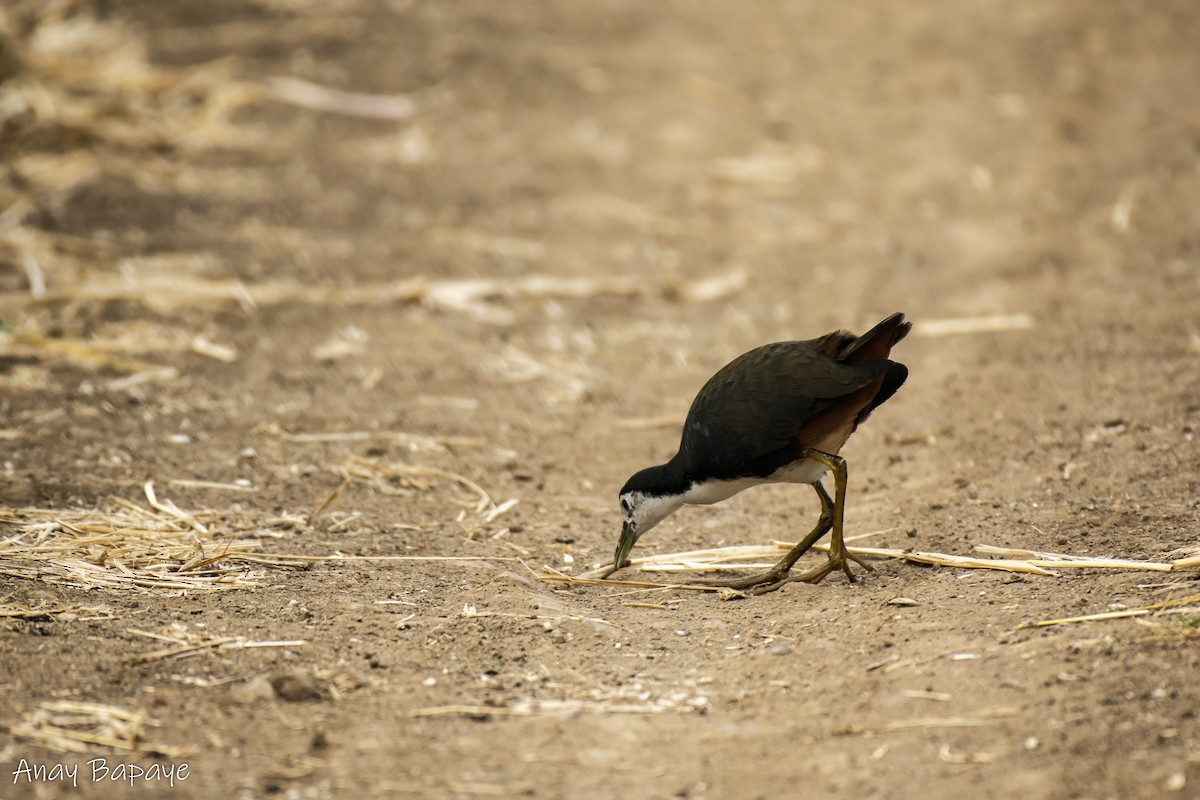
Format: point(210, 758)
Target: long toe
point(750, 582)
point(814, 575)
point(842, 562)
point(860, 562)
point(777, 578)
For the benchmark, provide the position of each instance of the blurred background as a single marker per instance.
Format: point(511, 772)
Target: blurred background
point(459, 253)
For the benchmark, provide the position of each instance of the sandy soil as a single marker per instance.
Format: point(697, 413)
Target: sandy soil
point(947, 160)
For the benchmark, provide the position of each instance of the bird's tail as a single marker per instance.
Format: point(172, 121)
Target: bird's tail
point(877, 343)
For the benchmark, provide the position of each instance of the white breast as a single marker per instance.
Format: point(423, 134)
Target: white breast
point(806, 470)
point(803, 471)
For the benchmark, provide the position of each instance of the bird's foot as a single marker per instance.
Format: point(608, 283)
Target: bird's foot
point(776, 579)
point(750, 583)
point(842, 561)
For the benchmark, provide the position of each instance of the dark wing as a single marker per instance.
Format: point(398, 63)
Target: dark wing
point(755, 405)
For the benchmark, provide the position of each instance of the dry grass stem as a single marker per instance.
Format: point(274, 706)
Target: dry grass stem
point(707, 290)
point(950, 757)
point(60, 613)
point(172, 510)
point(1190, 562)
point(566, 708)
point(1046, 623)
point(765, 556)
point(210, 645)
point(31, 346)
point(293, 560)
point(331, 499)
point(984, 716)
point(945, 559)
point(392, 478)
point(477, 298)
point(183, 483)
point(470, 612)
point(968, 325)
point(1063, 561)
point(296, 92)
point(79, 727)
point(121, 547)
point(650, 423)
point(413, 441)
point(1171, 633)
point(200, 345)
point(1129, 612)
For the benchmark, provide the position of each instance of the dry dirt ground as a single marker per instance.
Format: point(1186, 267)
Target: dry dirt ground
point(725, 174)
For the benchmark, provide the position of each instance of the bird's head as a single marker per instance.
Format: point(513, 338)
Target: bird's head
point(642, 507)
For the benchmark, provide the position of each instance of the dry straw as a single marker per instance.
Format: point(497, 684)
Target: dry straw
point(762, 557)
point(1185, 604)
point(185, 643)
point(122, 546)
point(78, 727)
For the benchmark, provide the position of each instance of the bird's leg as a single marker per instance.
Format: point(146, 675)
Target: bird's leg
point(839, 556)
point(777, 575)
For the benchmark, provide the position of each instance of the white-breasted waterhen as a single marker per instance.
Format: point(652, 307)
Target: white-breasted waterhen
point(777, 414)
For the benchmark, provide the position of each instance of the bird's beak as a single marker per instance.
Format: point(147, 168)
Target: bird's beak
point(628, 537)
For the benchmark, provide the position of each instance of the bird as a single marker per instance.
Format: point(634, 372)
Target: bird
point(779, 413)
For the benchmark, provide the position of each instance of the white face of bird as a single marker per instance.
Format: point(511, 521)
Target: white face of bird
point(641, 512)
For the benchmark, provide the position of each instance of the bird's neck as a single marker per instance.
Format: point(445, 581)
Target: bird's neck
point(669, 479)
point(684, 485)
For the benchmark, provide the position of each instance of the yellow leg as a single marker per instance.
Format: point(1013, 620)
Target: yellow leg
point(839, 557)
point(832, 515)
point(777, 575)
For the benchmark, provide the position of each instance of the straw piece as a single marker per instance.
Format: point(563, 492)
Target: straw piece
point(707, 290)
point(1045, 623)
point(331, 499)
point(1131, 612)
point(566, 708)
point(968, 325)
point(27, 345)
point(121, 547)
point(291, 560)
point(201, 345)
point(476, 298)
point(218, 643)
point(296, 92)
point(649, 423)
point(379, 474)
point(170, 509)
point(78, 727)
point(469, 611)
point(984, 716)
point(61, 613)
point(496, 511)
point(740, 555)
point(1186, 563)
point(414, 441)
point(183, 483)
point(1063, 561)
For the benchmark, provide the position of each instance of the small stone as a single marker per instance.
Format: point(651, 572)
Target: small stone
point(296, 686)
point(254, 690)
